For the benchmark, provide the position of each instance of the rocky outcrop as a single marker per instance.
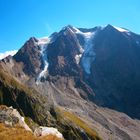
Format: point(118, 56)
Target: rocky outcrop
point(43, 131)
point(11, 117)
point(62, 52)
point(30, 56)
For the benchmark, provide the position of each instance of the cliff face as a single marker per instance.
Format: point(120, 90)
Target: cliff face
point(30, 56)
point(115, 71)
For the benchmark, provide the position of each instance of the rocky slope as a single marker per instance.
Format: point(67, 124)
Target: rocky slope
point(115, 70)
point(38, 111)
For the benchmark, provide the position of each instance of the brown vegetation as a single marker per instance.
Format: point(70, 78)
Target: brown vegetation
point(18, 133)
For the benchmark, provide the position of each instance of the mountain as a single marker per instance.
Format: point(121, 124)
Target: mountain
point(115, 71)
point(103, 61)
point(80, 71)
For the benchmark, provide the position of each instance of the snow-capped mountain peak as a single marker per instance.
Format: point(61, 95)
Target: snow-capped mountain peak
point(43, 41)
point(120, 29)
point(123, 30)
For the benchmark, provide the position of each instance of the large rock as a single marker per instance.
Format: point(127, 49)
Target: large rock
point(44, 131)
point(11, 117)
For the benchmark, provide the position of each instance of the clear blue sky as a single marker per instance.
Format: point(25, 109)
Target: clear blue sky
point(21, 19)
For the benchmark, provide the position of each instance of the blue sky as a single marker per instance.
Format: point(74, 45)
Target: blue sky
point(21, 19)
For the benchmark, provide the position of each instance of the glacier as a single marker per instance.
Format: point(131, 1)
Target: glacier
point(88, 53)
point(43, 43)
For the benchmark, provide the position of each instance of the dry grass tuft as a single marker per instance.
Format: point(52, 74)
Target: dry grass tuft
point(15, 133)
point(79, 122)
point(18, 133)
point(3, 107)
point(49, 137)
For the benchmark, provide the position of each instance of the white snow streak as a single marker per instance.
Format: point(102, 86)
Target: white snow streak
point(43, 43)
point(120, 29)
point(77, 58)
point(88, 54)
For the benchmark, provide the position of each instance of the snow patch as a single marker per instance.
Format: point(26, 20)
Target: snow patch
point(7, 53)
point(120, 29)
point(88, 54)
point(85, 34)
point(77, 58)
point(42, 41)
point(123, 30)
point(44, 131)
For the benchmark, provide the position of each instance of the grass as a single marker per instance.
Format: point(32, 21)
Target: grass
point(18, 133)
point(79, 122)
point(15, 133)
point(49, 137)
point(13, 90)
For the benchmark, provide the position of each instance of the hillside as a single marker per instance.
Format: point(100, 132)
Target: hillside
point(35, 109)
